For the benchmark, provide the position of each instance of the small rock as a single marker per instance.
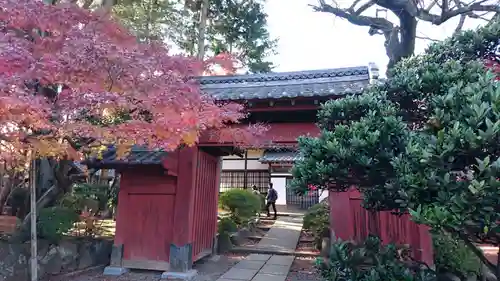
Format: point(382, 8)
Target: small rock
point(236, 239)
point(101, 251)
point(244, 233)
point(68, 250)
point(86, 260)
point(52, 262)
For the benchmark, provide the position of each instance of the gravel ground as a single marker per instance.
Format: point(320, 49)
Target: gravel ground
point(303, 270)
point(209, 270)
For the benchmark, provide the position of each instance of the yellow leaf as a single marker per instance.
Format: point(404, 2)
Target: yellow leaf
point(190, 138)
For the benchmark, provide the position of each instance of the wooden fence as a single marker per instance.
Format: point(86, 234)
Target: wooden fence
point(350, 221)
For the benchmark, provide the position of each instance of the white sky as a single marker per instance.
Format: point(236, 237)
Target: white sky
point(310, 40)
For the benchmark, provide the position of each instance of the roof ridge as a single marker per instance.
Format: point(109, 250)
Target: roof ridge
point(283, 76)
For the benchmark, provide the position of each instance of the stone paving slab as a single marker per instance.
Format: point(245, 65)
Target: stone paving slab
point(269, 277)
point(275, 269)
point(246, 264)
point(257, 257)
point(281, 260)
point(283, 235)
point(239, 274)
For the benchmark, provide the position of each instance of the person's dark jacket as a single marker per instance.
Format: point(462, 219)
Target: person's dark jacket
point(272, 195)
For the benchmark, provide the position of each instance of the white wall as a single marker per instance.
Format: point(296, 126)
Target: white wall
point(323, 195)
point(280, 185)
point(238, 163)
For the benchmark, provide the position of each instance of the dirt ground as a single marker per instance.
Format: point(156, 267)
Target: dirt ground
point(208, 270)
point(303, 270)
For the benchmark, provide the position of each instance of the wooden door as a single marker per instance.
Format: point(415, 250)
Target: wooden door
point(147, 241)
point(145, 219)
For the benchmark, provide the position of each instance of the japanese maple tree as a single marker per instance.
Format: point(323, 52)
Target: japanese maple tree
point(63, 68)
point(73, 81)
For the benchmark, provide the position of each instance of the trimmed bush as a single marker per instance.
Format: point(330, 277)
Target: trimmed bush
point(317, 220)
point(370, 261)
point(452, 255)
point(241, 204)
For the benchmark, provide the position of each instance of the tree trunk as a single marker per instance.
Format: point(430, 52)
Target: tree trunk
point(52, 177)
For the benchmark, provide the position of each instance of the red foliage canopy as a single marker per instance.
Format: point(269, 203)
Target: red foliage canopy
point(68, 75)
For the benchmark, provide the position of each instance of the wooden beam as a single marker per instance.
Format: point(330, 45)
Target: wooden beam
point(284, 108)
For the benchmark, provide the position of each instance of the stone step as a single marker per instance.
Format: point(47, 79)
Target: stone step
point(257, 250)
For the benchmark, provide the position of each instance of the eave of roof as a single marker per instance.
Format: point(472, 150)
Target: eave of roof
point(136, 156)
point(312, 83)
point(280, 157)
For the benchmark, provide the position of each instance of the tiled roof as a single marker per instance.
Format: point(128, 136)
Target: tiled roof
point(280, 157)
point(312, 83)
point(136, 156)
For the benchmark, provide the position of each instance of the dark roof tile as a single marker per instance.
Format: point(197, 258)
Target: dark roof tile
point(313, 83)
point(136, 156)
point(280, 157)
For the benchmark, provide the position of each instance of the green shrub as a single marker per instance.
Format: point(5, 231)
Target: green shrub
point(241, 204)
point(262, 202)
point(54, 222)
point(317, 220)
point(370, 261)
point(452, 255)
point(226, 225)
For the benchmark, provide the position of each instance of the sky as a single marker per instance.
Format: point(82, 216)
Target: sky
point(311, 40)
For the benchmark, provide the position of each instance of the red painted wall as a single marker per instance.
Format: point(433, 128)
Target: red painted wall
point(350, 221)
point(157, 208)
point(278, 133)
point(145, 208)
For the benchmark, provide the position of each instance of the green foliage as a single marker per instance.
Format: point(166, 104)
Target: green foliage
point(56, 221)
point(91, 196)
point(427, 140)
point(234, 26)
point(317, 220)
point(262, 199)
point(370, 261)
point(452, 255)
point(242, 204)
point(226, 225)
point(240, 27)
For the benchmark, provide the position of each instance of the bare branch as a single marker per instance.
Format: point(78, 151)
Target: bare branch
point(353, 6)
point(461, 10)
point(431, 5)
point(364, 7)
point(427, 38)
point(376, 23)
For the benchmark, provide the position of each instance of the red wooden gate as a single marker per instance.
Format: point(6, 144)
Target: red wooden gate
point(350, 221)
point(206, 191)
point(146, 224)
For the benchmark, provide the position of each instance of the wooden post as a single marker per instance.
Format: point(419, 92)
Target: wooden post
point(182, 241)
point(245, 172)
point(34, 254)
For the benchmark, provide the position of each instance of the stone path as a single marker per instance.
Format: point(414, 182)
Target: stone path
point(259, 267)
point(283, 236)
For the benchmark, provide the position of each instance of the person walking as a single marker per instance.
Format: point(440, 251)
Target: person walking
point(272, 196)
point(255, 190)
